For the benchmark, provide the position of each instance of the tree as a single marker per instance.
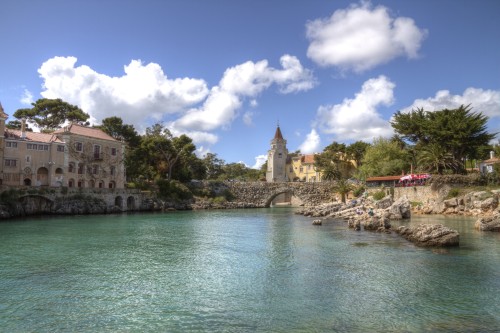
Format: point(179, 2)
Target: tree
point(330, 172)
point(342, 187)
point(334, 161)
point(163, 156)
point(115, 127)
point(384, 158)
point(356, 151)
point(213, 165)
point(17, 125)
point(432, 158)
point(459, 132)
point(51, 114)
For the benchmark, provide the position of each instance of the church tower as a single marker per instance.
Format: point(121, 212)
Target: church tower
point(276, 158)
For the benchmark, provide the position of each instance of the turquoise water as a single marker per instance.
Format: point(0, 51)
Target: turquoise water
point(262, 270)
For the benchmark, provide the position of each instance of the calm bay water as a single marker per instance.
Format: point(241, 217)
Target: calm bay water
point(262, 270)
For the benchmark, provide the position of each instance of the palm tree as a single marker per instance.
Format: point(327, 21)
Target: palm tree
point(342, 187)
point(433, 157)
point(330, 173)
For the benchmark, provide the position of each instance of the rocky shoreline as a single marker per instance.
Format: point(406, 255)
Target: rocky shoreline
point(371, 215)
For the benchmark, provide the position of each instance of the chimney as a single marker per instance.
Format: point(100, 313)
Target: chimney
point(492, 154)
point(23, 128)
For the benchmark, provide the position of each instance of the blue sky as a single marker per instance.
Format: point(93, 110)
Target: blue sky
point(226, 72)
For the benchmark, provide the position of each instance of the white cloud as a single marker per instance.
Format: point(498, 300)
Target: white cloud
point(259, 161)
point(248, 118)
point(361, 37)
point(144, 92)
point(239, 83)
point(27, 97)
point(357, 118)
point(311, 143)
point(486, 102)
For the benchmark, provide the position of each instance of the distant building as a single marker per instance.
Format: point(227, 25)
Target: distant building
point(281, 167)
point(75, 156)
point(486, 166)
point(303, 168)
point(276, 159)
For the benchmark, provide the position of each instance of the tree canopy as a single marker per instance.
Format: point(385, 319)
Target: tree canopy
point(51, 114)
point(384, 158)
point(459, 133)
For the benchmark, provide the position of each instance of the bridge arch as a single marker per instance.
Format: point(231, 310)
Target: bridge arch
point(290, 197)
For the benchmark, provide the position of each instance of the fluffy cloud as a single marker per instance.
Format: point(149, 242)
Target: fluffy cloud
point(144, 92)
point(27, 97)
point(311, 143)
point(361, 37)
point(357, 118)
point(241, 82)
point(259, 161)
point(485, 101)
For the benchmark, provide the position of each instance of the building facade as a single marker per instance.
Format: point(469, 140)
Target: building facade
point(282, 167)
point(276, 159)
point(75, 156)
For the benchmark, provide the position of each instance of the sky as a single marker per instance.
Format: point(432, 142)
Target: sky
point(227, 72)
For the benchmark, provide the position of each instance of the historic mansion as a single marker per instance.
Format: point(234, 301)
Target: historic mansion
point(74, 156)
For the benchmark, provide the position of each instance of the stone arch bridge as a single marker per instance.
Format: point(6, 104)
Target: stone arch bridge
point(262, 194)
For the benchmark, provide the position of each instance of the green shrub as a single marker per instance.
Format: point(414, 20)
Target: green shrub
point(219, 200)
point(173, 190)
point(453, 193)
point(9, 196)
point(379, 195)
point(358, 191)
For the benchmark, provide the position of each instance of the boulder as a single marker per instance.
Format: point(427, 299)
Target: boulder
point(488, 224)
point(317, 222)
point(427, 235)
point(400, 209)
point(377, 223)
point(384, 203)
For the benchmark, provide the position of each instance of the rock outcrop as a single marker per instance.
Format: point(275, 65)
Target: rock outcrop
point(429, 235)
point(479, 203)
point(488, 223)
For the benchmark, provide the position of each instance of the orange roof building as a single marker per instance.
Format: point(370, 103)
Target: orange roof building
point(74, 156)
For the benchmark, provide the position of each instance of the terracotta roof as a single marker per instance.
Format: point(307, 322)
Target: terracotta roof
point(31, 136)
point(382, 178)
point(307, 159)
point(278, 134)
point(493, 160)
point(85, 131)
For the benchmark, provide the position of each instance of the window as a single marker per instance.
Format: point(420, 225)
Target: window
point(95, 169)
point(112, 170)
point(10, 163)
point(113, 151)
point(60, 148)
point(43, 147)
point(78, 146)
point(97, 152)
point(10, 144)
point(80, 169)
point(30, 146)
point(28, 159)
point(71, 167)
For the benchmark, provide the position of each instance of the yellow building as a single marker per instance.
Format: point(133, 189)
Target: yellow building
point(302, 168)
point(75, 156)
